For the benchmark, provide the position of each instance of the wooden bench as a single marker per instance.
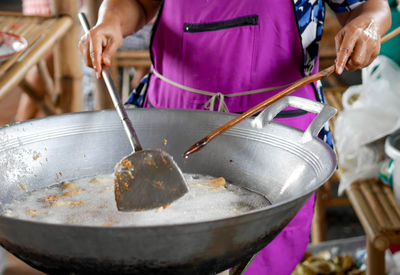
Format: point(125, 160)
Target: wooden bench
point(379, 214)
point(372, 201)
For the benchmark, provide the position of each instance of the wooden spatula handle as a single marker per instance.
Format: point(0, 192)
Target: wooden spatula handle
point(298, 84)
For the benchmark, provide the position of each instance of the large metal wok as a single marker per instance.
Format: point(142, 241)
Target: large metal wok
point(284, 164)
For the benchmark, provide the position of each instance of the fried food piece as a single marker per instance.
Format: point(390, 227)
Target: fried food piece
point(99, 180)
point(148, 159)
point(51, 198)
point(218, 181)
point(36, 155)
point(212, 184)
point(69, 185)
point(32, 212)
point(160, 184)
point(61, 203)
point(74, 192)
point(126, 163)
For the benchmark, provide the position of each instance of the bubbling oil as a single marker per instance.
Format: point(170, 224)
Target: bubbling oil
point(91, 201)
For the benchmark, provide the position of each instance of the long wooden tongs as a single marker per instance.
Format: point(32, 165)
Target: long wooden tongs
point(298, 84)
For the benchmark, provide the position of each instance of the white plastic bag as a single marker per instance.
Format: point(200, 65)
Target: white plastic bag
point(392, 262)
point(371, 112)
point(382, 68)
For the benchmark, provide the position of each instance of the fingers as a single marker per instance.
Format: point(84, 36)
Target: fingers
point(109, 50)
point(91, 50)
point(357, 57)
point(356, 47)
point(345, 43)
point(84, 49)
point(363, 55)
point(95, 52)
point(97, 47)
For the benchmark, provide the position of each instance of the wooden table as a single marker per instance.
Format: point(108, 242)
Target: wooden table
point(44, 34)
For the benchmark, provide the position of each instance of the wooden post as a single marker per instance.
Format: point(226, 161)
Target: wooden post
point(71, 99)
point(318, 227)
point(102, 99)
point(375, 259)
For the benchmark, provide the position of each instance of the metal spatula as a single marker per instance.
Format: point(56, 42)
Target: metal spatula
point(145, 179)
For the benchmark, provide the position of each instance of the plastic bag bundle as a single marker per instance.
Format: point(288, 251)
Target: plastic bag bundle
point(371, 111)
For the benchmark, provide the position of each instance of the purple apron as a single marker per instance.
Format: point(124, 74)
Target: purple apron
point(227, 48)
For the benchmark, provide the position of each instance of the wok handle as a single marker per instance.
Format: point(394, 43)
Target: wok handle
point(324, 111)
point(116, 99)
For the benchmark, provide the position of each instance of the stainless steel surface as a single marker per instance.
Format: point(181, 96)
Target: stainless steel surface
point(325, 112)
point(137, 184)
point(150, 179)
point(275, 161)
point(119, 107)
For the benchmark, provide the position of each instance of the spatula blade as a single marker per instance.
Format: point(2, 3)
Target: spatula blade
point(148, 179)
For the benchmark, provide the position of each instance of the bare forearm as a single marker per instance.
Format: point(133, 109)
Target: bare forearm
point(117, 18)
point(128, 15)
point(358, 42)
point(376, 11)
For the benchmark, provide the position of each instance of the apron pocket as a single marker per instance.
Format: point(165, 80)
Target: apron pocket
point(229, 45)
point(251, 20)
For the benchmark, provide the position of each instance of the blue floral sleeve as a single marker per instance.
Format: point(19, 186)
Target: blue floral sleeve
point(339, 6)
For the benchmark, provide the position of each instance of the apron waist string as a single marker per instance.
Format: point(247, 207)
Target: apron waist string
point(210, 104)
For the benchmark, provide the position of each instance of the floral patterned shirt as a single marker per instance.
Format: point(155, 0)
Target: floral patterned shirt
point(310, 21)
